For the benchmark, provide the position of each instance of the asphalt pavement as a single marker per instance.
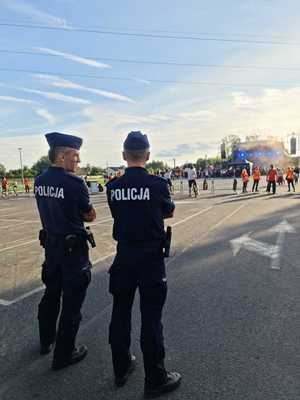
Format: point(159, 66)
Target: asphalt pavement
point(231, 322)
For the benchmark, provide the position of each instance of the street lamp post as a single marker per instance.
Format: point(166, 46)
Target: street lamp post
point(174, 161)
point(21, 163)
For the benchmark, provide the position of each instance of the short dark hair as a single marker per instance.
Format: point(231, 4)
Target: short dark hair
point(136, 155)
point(54, 152)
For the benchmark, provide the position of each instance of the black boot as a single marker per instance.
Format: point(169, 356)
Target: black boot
point(172, 382)
point(46, 349)
point(78, 354)
point(121, 380)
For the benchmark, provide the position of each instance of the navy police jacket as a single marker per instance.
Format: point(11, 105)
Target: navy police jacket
point(61, 199)
point(138, 203)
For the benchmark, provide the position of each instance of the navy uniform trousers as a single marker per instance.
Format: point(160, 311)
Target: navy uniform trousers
point(142, 267)
point(65, 274)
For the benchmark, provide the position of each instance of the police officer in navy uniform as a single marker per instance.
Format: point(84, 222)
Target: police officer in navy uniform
point(139, 202)
point(63, 204)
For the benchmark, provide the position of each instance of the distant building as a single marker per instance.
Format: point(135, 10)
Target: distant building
point(114, 170)
point(293, 144)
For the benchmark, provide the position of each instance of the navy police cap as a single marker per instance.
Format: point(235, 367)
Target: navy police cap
point(56, 139)
point(136, 140)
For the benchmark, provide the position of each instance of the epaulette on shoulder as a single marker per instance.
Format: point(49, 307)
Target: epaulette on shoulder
point(76, 178)
point(158, 179)
point(40, 174)
point(113, 179)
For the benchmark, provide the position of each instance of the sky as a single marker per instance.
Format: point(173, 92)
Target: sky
point(186, 73)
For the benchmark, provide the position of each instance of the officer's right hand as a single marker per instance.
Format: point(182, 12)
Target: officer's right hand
point(90, 216)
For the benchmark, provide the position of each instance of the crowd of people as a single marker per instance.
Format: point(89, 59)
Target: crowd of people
point(6, 186)
point(274, 176)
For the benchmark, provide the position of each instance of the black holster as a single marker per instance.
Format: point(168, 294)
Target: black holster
point(71, 242)
point(90, 237)
point(42, 238)
point(167, 244)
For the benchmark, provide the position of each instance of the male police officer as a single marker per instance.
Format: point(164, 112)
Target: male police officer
point(63, 203)
point(139, 202)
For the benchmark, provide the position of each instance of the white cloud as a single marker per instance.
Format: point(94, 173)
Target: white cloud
point(33, 147)
point(57, 96)
point(25, 8)
point(56, 81)
point(142, 81)
point(46, 115)
point(192, 119)
point(241, 100)
point(123, 120)
point(16, 100)
point(198, 115)
point(73, 57)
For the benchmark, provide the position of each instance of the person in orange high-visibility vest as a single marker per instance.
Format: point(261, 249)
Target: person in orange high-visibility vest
point(26, 185)
point(271, 179)
point(4, 186)
point(290, 178)
point(245, 179)
point(256, 178)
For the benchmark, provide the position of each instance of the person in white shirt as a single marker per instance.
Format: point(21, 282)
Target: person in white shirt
point(168, 177)
point(192, 176)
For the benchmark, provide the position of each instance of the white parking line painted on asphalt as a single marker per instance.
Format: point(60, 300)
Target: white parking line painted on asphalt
point(18, 212)
point(17, 299)
point(109, 225)
point(192, 216)
point(9, 220)
point(25, 295)
point(16, 241)
point(18, 245)
point(184, 202)
point(227, 217)
point(283, 228)
point(100, 206)
point(40, 288)
point(104, 258)
point(205, 233)
point(86, 325)
point(21, 223)
point(7, 208)
point(96, 317)
point(100, 222)
point(35, 240)
point(250, 244)
point(265, 249)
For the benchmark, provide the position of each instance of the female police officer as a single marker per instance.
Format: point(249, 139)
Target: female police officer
point(139, 202)
point(63, 204)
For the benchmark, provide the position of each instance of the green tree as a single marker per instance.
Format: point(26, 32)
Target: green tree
point(27, 172)
point(14, 173)
point(94, 171)
point(202, 163)
point(91, 170)
point(156, 165)
point(40, 165)
point(231, 142)
point(2, 170)
point(252, 138)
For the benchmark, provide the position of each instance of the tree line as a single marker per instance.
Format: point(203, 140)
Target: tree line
point(91, 170)
point(229, 142)
point(43, 163)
